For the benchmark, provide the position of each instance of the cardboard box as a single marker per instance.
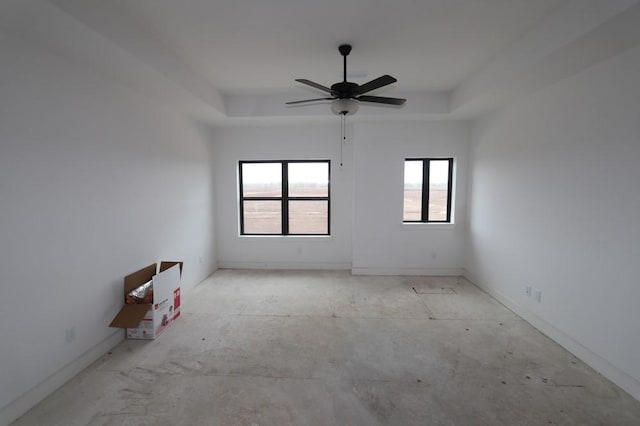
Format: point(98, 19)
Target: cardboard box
point(147, 321)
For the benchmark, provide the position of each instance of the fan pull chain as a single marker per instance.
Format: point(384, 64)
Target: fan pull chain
point(343, 135)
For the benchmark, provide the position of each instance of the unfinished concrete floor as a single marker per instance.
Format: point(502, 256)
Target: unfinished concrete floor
point(328, 348)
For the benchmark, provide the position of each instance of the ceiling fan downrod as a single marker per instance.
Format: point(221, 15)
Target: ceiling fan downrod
point(345, 49)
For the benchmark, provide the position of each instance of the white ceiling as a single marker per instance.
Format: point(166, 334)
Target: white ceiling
point(262, 45)
point(236, 60)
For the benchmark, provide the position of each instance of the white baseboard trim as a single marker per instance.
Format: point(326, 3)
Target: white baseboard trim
point(406, 271)
point(285, 265)
point(626, 382)
point(188, 288)
point(29, 399)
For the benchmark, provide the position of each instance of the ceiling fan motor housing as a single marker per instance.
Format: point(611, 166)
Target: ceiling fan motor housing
point(344, 89)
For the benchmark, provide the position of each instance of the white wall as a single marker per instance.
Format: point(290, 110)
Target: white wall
point(95, 182)
point(366, 197)
point(555, 204)
point(314, 141)
point(381, 243)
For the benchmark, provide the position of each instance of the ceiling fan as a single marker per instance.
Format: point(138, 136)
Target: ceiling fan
point(344, 94)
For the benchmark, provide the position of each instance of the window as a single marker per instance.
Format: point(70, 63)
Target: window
point(284, 197)
point(427, 189)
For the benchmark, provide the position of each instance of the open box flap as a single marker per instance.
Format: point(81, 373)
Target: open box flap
point(164, 283)
point(130, 316)
point(166, 265)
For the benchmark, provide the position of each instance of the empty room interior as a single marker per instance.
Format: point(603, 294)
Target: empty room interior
point(407, 212)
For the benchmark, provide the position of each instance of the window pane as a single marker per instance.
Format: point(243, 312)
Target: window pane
point(412, 190)
point(438, 189)
point(262, 217)
point(309, 179)
point(309, 217)
point(262, 179)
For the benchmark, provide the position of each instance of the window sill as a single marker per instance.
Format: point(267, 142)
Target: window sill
point(428, 226)
point(289, 238)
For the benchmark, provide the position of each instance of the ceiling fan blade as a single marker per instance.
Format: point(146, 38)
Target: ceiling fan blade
point(309, 100)
point(375, 84)
point(381, 100)
point(313, 84)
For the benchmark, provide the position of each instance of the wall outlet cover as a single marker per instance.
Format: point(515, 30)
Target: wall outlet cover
point(538, 295)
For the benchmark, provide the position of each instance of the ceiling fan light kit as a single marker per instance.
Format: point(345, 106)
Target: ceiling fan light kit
point(344, 106)
point(346, 95)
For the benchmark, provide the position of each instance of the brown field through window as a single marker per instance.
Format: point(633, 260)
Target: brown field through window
point(287, 197)
point(427, 190)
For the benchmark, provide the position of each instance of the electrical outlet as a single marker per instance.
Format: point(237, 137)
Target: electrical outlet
point(527, 290)
point(537, 294)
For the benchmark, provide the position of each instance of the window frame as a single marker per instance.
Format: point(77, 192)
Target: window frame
point(424, 202)
point(284, 198)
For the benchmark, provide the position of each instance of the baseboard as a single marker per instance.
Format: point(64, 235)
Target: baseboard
point(406, 271)
point(186, 289)
point(29, 399)
point(626, 382)
point(285, 265)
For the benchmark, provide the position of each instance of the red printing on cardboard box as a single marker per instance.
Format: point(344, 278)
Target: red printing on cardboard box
point(176, 298)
